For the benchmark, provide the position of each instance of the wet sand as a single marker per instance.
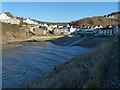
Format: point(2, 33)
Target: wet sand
point(23, 63)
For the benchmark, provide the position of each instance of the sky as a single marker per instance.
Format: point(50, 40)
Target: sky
point(59, 11)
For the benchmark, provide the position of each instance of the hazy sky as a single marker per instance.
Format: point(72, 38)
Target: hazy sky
point(59, 11)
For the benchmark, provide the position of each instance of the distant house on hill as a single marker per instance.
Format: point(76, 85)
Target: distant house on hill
point(29, 21)
point(6, 19)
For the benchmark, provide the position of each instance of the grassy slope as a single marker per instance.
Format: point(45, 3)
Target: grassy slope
point(84, 71)
point(87, 42)
point(98, 20)
point(11, 32)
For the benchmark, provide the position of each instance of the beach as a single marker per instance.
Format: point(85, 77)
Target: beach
point(23, 62)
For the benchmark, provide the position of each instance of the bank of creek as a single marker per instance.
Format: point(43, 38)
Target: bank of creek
point(23, 62)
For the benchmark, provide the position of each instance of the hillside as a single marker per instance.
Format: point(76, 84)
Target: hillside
point(9, 14)
point(105, 20)
point(110, 19)
point(12, 32)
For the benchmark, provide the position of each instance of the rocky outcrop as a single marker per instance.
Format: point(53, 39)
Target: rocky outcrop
point(13, 32)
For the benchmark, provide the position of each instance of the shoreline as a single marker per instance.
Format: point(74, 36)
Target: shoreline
point(38, 56)
point(32, 38)
point(62, 42)
point(69, 41)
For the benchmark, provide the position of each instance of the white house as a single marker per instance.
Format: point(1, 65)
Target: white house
point(72, 29)
point(60, 26)
point(54, 26)
point(96, 27)
point(4, 16)
point(45, 25)
point(110, 26)
point(68, 25)
point(111, 16)
point(29, 21)
point(51, 27)
point(100, 26)
point(6, 19)
point(15, 21)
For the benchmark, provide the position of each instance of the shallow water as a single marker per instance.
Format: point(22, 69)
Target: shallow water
point(27, 60)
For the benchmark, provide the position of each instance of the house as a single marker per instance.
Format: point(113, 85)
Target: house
point(87, 32)
point(109, 26)
point(15, 21)
point(54, 26)
point(29, 21)
point(68, 25)
point(72, 29)
point(51, 27)
point(100, 26)
point(6, 19)
point(60, 26)
point(106, 31)
point(45, 25)
point(116, 29)
point(95, 27)
point(4, 16)
point(92, 27)
point(90, 32)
